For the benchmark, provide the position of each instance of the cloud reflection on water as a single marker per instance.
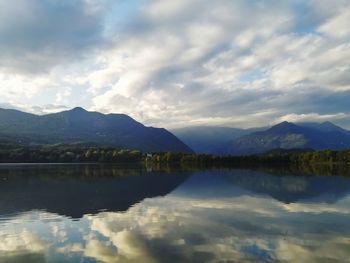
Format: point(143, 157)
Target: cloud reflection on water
point(195, 227)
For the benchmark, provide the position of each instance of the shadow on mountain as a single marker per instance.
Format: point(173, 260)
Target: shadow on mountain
point(76, 190)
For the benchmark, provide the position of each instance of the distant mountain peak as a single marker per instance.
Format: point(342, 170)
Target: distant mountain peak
point(284, 123)
point(286, 135)
point(283, 127)
point(329, 124)
point(78, 109)
point(77, 113)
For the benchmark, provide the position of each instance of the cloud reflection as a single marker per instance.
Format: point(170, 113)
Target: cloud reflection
point(201, 227)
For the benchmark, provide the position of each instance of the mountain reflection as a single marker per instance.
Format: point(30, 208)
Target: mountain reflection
point(287, 188)
point(210, 216)
point(76, 190)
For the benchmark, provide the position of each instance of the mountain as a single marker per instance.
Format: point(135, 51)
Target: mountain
point(81, 126)
point(290, 136)
point(208, 139)
point(324, 126)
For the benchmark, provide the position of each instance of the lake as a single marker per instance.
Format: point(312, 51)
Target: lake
point(105, 213)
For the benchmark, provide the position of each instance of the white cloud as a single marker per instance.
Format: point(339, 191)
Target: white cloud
point(186, 226)
point(190, 67)
point(173, 62)
point(338, 26)
point(174, 220)
point(27, 243)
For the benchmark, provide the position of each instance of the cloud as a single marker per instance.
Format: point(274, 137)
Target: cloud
point(211, 229)
point(216, 64)
point(42, 46)
point(38, 35)
point(337, 26)
point(28, 242)
point(170, 64)
point(187, 226)
point(45, 109)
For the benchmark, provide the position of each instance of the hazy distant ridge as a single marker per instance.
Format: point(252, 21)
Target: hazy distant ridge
point(286, 135)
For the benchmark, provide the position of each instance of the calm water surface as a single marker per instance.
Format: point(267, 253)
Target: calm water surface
point(91, 213)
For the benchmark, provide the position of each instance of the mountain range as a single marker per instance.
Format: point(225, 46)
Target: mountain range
point(284, 135)
point(288, 135)
point(81, 126)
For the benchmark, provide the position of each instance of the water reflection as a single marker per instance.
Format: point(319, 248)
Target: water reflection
point(76, 190)
point(210, 216)
point(287, 188)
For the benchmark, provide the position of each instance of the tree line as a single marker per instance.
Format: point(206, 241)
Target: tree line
point(68, 154)
point(80, 153)
point(273, 158)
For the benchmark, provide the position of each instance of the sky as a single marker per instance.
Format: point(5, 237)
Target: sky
point(238, 63)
